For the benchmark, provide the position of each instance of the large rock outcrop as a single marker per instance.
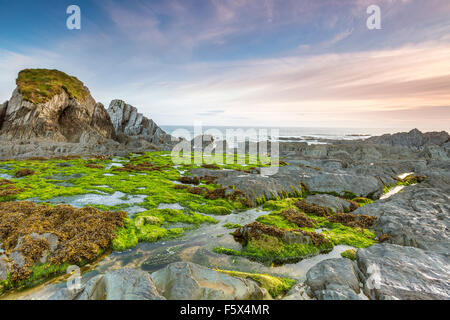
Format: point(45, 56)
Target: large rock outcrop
point(129, 124)
point(53, 113)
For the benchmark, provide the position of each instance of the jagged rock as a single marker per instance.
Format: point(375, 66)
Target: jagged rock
point(413, 138)
point(123, 284)
point(128, 123)
point(334, 279)
point(61, 119)
point(434, 152)
point(418, 217)
point(189, 281)
point(396, 272)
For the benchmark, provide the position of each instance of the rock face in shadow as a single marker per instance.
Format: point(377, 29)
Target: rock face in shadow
point(61, 119)
point(129, 124)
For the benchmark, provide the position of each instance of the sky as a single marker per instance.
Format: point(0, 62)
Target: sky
point(277, 63)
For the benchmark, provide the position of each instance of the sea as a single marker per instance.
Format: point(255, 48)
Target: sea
point(314, 135)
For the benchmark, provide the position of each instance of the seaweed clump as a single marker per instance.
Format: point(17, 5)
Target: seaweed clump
point(24, 172)
point(313, 209)
point(143, 166)
point(190, 180)
point(8, 190)
point(299, 218)
point(350, 220)
point(82, 234)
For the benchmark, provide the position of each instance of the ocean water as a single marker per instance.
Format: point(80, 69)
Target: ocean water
point(300, 134)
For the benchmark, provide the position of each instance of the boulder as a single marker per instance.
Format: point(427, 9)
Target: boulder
point(405, 273)
point(123, 284)
point(334, 203)
point(333, 275)
point(128, 123)
point(62, 118)
point(189, 281)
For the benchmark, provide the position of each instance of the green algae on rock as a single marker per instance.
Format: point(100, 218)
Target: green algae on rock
point(276, 286)
point(349, 254)
point(271, 239)
point(41, 85)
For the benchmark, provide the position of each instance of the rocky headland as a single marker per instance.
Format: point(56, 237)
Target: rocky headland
point(95, 188)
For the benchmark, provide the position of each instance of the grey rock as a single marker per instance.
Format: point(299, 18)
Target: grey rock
point(17, 258)
point(414, 138)
point(123, 284)
point(189, 281)
point(333, 272)
point(298, 292)
point(434, 152)
point(338, 292)
point(290, 177)
point(128, 123)
point(66, 294)
point(396, 272)
point(61, 119)
point(418, 216)
point(328, 201)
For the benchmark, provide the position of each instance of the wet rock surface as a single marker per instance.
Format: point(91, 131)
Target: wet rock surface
point(405, 273)
point(181, 281)
point(417, 217)
point(124, 284)
point(334, 279)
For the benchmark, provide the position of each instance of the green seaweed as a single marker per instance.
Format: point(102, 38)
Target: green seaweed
point(349, 254)
point(276, 286)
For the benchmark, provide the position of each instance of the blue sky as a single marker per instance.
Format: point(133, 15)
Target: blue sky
point(245, 62)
